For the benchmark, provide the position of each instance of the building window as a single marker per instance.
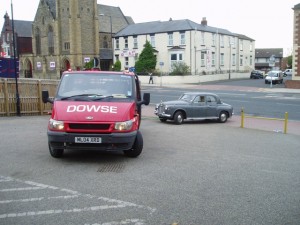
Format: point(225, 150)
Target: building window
point(7, 37)
point(251, 60)
point(241, 60)
point(202, 58)
point(202, 38)
point(222, 41)
point(233, 60)
point(50, 41)
point(117, 43)
point(222, 59)
point(135, 42)
point(126, 42)
point(170, 39)
point(251, 47)
point(241, 45)
point(67, 46)
point(176, 57)
point(126, 62)
point(152, 40)
point(213, 37)
point(38, 41)
point(182, 38)
point(213, 58)
point(105, 42)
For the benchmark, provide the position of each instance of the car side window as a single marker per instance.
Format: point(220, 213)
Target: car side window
point(199, 100)
point(211, 100)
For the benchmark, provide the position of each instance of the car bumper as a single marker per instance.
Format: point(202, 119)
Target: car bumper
point(109, 142)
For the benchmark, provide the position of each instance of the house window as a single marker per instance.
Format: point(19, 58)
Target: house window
point(7, 37)
point(233, 60)
point(251, 60)
point(222, 59)
point(182, 38)
point(222, 41)
point(202, 58)
point(135, 42)
point(50, 41)
point(241, 60)
point(170, 39)
point(117, 43)
point(38, 41)
point(213, 38)
point(251, 47)
point(241, 45)
point(126, 62)
point(152, 40)
point(202, 38)
point(126, 42)
point(213, 58)
point(175, 57)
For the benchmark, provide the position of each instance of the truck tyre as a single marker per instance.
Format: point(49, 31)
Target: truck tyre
point(137, 147)
point(55, 153)
point(178, 117)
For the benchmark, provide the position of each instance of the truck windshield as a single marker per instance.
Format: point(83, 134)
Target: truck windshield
point(95, 86)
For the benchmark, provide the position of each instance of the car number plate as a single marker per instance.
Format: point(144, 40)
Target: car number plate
point(88, 140)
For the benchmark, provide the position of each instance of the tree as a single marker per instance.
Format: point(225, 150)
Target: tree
point(290, 61)
point(147, 60)
point(117, 66)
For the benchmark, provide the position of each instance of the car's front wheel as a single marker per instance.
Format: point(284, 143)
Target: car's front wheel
point(137, 147)
point(54, 152)
point(178, 117)
point(223, 117)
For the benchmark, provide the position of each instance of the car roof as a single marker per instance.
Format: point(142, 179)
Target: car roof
point(199, 93)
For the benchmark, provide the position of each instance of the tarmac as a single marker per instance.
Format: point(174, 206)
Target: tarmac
point(276, 125)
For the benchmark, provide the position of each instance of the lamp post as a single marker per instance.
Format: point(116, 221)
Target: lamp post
point(15, 64)
point(111, 38)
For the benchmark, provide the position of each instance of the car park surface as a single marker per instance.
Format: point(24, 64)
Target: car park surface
point(194, 106)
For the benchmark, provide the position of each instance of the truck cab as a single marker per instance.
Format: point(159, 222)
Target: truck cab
point(96, 110)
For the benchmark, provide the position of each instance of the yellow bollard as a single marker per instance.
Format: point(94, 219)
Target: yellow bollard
point(242, 118)
point(285, 121)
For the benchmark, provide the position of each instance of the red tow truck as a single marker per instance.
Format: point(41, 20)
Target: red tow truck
point(96, 110)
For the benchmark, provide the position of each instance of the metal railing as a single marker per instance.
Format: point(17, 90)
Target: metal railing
point(243, 116)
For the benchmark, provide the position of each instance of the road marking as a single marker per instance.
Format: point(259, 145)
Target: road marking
point(22, 189)
point(123, 222)
point(39, 199)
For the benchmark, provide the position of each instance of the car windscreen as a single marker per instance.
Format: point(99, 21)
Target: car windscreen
point(273, 74)
point(94, 86)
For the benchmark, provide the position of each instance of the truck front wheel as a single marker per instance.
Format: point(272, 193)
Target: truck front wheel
point(56, 153)
point(137, 147)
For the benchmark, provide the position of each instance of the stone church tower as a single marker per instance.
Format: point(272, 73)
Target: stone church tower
point(65, 36)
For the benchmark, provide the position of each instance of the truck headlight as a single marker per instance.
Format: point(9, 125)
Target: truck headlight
point(56, 125)
point(127, 125)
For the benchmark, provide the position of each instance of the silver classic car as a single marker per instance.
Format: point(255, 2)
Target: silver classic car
point(193, 106)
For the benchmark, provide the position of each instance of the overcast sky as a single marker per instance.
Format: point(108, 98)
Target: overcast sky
point(268, 22)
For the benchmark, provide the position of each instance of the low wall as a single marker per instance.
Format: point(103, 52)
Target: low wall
point(192, 79)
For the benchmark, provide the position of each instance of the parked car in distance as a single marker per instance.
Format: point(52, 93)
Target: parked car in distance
point(288, 72)
point(274, 76)
point(256, 74)
point(192, 106)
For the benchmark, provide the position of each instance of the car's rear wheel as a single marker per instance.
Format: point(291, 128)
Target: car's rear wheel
point(54, 152)
point(223, 117)
point(137, 147)
point(178, 117)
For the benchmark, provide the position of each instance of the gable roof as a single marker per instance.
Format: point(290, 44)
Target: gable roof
point(23, 28)
point(118, 20)
point(168, 26)
point(267, 52)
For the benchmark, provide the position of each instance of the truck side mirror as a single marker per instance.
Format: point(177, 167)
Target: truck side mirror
point(45, 97)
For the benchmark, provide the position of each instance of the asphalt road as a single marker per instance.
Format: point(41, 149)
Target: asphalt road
point(196, 173)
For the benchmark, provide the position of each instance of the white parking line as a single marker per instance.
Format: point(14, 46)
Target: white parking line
point(39, 199)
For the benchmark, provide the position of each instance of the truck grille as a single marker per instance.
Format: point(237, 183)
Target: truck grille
point(87, 126)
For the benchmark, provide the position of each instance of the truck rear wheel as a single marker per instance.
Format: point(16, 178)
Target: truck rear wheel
point(137, 147)
point(55, 153)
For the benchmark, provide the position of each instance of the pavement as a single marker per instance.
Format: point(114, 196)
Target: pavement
point(276, 125)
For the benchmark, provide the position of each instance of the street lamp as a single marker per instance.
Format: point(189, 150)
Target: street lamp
point(111, 38)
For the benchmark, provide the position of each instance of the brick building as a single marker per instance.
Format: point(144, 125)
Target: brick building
point(296, 43)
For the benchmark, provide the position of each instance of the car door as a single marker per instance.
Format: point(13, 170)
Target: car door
point(199, 107)
point(211, 106)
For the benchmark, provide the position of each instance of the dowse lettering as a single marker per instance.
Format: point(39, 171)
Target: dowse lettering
point(92, 108)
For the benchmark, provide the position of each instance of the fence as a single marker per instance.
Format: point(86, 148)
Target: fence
point(30, 93)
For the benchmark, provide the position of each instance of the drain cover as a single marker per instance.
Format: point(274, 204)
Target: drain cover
point(115, 168)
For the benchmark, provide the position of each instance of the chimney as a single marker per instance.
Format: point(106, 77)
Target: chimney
point(204, 21)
